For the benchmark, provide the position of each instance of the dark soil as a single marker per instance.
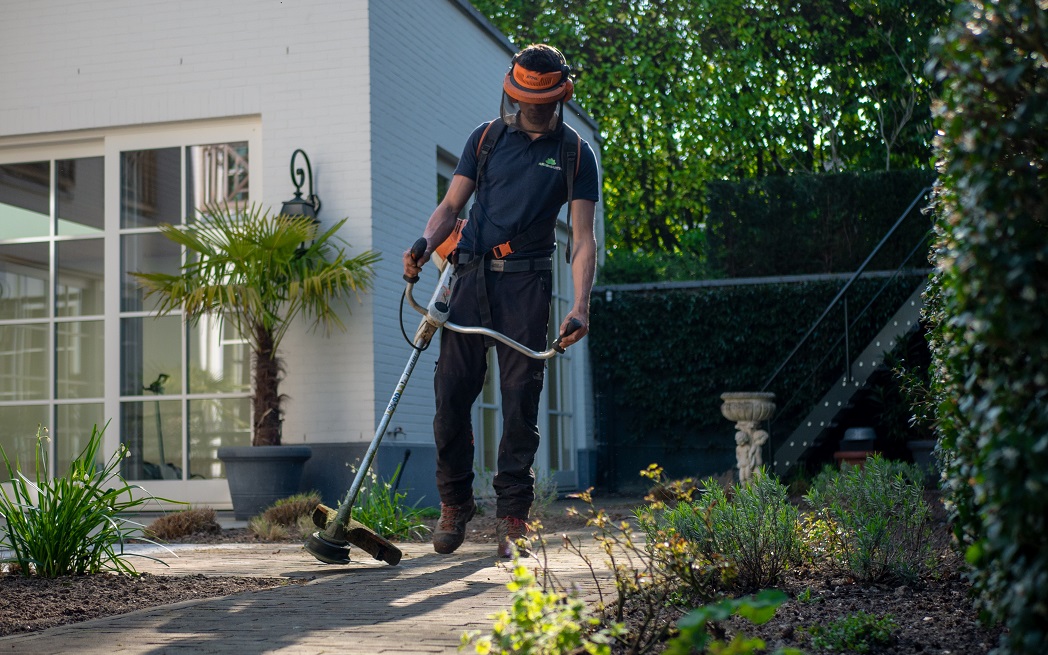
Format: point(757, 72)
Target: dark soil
point(29, 604)
point(935, 617)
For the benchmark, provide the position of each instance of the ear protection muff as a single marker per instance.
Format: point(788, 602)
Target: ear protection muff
point(525, 85)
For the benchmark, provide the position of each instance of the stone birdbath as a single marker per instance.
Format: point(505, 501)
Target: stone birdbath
point(748, 409)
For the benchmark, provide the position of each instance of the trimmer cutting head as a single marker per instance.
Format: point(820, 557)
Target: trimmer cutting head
point(327, 551)
point(332, 545)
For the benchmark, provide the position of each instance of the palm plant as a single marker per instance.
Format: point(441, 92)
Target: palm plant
point(259, 271)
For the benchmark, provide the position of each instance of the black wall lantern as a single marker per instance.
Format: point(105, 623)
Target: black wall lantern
point(299, 206)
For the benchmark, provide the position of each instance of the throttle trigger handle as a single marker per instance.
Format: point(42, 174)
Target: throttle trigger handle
point(418, 249)
point(573, 325)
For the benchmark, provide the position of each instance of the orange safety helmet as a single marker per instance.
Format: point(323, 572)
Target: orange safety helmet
point(525, 85)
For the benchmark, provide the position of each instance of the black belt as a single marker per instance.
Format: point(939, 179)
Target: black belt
point(522, 265)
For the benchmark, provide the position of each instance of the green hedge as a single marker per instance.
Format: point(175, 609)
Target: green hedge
point(661, 358)
point(990, 305)
point(808, 224)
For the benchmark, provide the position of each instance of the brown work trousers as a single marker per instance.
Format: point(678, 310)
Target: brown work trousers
point(519, 308)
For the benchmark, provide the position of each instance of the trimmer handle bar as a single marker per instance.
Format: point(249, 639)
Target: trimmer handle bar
point(436, 314)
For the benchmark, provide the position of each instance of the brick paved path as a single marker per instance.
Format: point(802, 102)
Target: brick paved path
point(421, 606)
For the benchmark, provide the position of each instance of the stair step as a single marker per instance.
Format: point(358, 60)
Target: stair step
point(839, 397)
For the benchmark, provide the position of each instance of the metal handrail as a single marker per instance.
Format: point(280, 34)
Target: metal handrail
point(799, 388)
point(845, 288)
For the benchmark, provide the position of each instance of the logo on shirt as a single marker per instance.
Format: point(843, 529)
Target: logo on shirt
point(550, 163)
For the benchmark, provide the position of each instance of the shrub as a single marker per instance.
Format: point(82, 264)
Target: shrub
point(197, 520)
point(988, 308)
point(694, 638)
point(884, 525)
point(855, 633)
point(72, 524)
point(819, 538)
point(755, 528)
point(652, 577)
point(542, 622)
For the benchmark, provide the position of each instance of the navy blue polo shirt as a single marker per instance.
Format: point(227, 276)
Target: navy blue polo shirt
point(523, 183)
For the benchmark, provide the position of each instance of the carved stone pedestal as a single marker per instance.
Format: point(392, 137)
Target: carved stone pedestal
point(748, 409)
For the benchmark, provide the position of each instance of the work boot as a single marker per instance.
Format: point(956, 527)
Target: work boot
point(512, 537)
point(451, 529)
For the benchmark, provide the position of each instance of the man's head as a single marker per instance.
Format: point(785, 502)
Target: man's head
point(537, 83)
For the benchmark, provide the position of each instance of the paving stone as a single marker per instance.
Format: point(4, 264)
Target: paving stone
point(420, 607)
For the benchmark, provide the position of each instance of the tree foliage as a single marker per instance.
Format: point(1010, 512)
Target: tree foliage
point(688, 91)
point(989, 308)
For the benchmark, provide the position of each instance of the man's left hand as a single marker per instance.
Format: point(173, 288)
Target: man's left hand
point(577, 335)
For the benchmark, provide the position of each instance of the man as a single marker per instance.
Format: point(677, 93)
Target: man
point(520, 189)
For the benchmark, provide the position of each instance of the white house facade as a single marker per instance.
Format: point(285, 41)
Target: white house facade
point(120, 115)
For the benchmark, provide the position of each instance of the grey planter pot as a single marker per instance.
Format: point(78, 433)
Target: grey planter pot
point(923, 451)
point(258, 476)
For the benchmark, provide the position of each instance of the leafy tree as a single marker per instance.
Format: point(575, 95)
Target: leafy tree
point(687, 91)
point(256, 271)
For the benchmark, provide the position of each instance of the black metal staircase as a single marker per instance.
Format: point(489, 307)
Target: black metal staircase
point(796, 429)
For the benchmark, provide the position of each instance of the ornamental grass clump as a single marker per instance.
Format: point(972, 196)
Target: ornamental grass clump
point(176, 525)
point(71, 524)
point(883, 523)
point(291, 516)
point(289, 511)
point(385, 510)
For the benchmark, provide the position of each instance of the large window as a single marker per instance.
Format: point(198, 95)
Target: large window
point(183, 389)
point(80, 344)
point(51, 306)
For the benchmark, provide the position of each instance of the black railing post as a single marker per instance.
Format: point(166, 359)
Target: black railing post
point(847, 350)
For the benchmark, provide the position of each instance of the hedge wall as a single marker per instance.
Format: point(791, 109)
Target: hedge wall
point(808, 224)
point(990, 305)
point(661, 359)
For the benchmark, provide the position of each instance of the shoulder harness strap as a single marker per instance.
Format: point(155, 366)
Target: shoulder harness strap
point(570, 149)
point(488, 138)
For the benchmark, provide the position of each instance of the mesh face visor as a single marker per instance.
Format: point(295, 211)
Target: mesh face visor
point(547, 91)
point(510, 111)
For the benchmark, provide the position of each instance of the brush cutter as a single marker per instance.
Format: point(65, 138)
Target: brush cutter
point(339, 529)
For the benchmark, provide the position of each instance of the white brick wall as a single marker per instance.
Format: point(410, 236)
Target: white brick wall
point(306, 69)
point(70, 66)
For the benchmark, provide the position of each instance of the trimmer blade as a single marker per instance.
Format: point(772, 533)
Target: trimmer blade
point(370, 542)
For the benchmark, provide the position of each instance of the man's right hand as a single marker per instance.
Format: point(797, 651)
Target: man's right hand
point(413, 260)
